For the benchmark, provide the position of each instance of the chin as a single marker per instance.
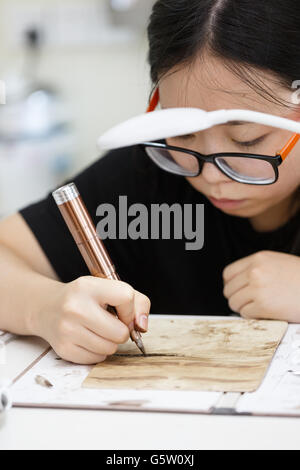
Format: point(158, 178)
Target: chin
point(246, 210)
point(239, 213)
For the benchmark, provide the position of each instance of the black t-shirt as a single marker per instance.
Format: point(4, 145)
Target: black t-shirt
point(177, 281)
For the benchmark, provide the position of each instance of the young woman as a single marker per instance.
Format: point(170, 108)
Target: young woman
point(208, 54)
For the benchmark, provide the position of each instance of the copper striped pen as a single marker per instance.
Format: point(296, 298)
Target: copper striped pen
point(91, 247)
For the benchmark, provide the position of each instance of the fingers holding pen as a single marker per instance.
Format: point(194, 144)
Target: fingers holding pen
point(94, 343)
point(78, 326)
point(84, 321)
point(142, 307)
point(103, 324)
point(86, 333)
point(132, 306)
point(118, 294)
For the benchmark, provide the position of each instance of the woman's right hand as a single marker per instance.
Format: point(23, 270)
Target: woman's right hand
point(77, 325)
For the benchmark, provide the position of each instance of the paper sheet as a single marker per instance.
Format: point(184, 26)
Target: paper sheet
point(194, 354)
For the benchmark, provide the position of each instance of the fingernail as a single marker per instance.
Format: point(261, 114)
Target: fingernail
point(143, 322)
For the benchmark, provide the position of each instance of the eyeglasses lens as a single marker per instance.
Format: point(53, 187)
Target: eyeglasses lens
point(241, 169)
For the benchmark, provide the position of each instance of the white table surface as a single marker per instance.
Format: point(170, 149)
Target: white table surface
point(25, 428)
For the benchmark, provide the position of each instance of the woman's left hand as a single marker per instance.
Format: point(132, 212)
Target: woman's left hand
point(265, 285)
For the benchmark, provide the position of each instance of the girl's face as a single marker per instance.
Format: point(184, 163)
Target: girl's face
point(209, 85)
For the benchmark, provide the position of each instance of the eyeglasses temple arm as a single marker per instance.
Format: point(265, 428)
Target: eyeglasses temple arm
point(289, 146)
point(154, 101)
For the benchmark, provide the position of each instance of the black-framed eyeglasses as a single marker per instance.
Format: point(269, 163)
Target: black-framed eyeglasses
point(244, 168)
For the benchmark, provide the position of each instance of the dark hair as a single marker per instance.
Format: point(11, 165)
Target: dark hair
point(260, 33)
point(248, 35)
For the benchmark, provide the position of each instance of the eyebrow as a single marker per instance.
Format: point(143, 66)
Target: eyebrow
point(231, 123)
point(237, 123)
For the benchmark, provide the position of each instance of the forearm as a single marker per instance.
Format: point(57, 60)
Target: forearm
point(23, 294)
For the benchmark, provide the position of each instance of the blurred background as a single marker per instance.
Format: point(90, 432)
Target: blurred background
point(72, 69)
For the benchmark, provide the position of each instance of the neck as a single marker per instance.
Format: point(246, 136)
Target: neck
point(276, 216)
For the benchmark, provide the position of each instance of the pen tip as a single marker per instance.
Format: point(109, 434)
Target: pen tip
point(137, 338)
point(141, 347)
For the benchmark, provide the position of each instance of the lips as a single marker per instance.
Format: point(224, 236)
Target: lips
point(226, 203)
point(225, 200)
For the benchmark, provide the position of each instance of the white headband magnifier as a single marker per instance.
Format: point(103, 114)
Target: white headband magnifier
point(148, 129)
point(174, 122)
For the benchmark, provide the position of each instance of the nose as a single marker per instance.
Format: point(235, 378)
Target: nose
point(212, 175)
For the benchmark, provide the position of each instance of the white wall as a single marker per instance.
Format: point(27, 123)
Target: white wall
point(103, 84)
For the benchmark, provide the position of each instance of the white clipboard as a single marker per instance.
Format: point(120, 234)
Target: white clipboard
point(278, 395)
